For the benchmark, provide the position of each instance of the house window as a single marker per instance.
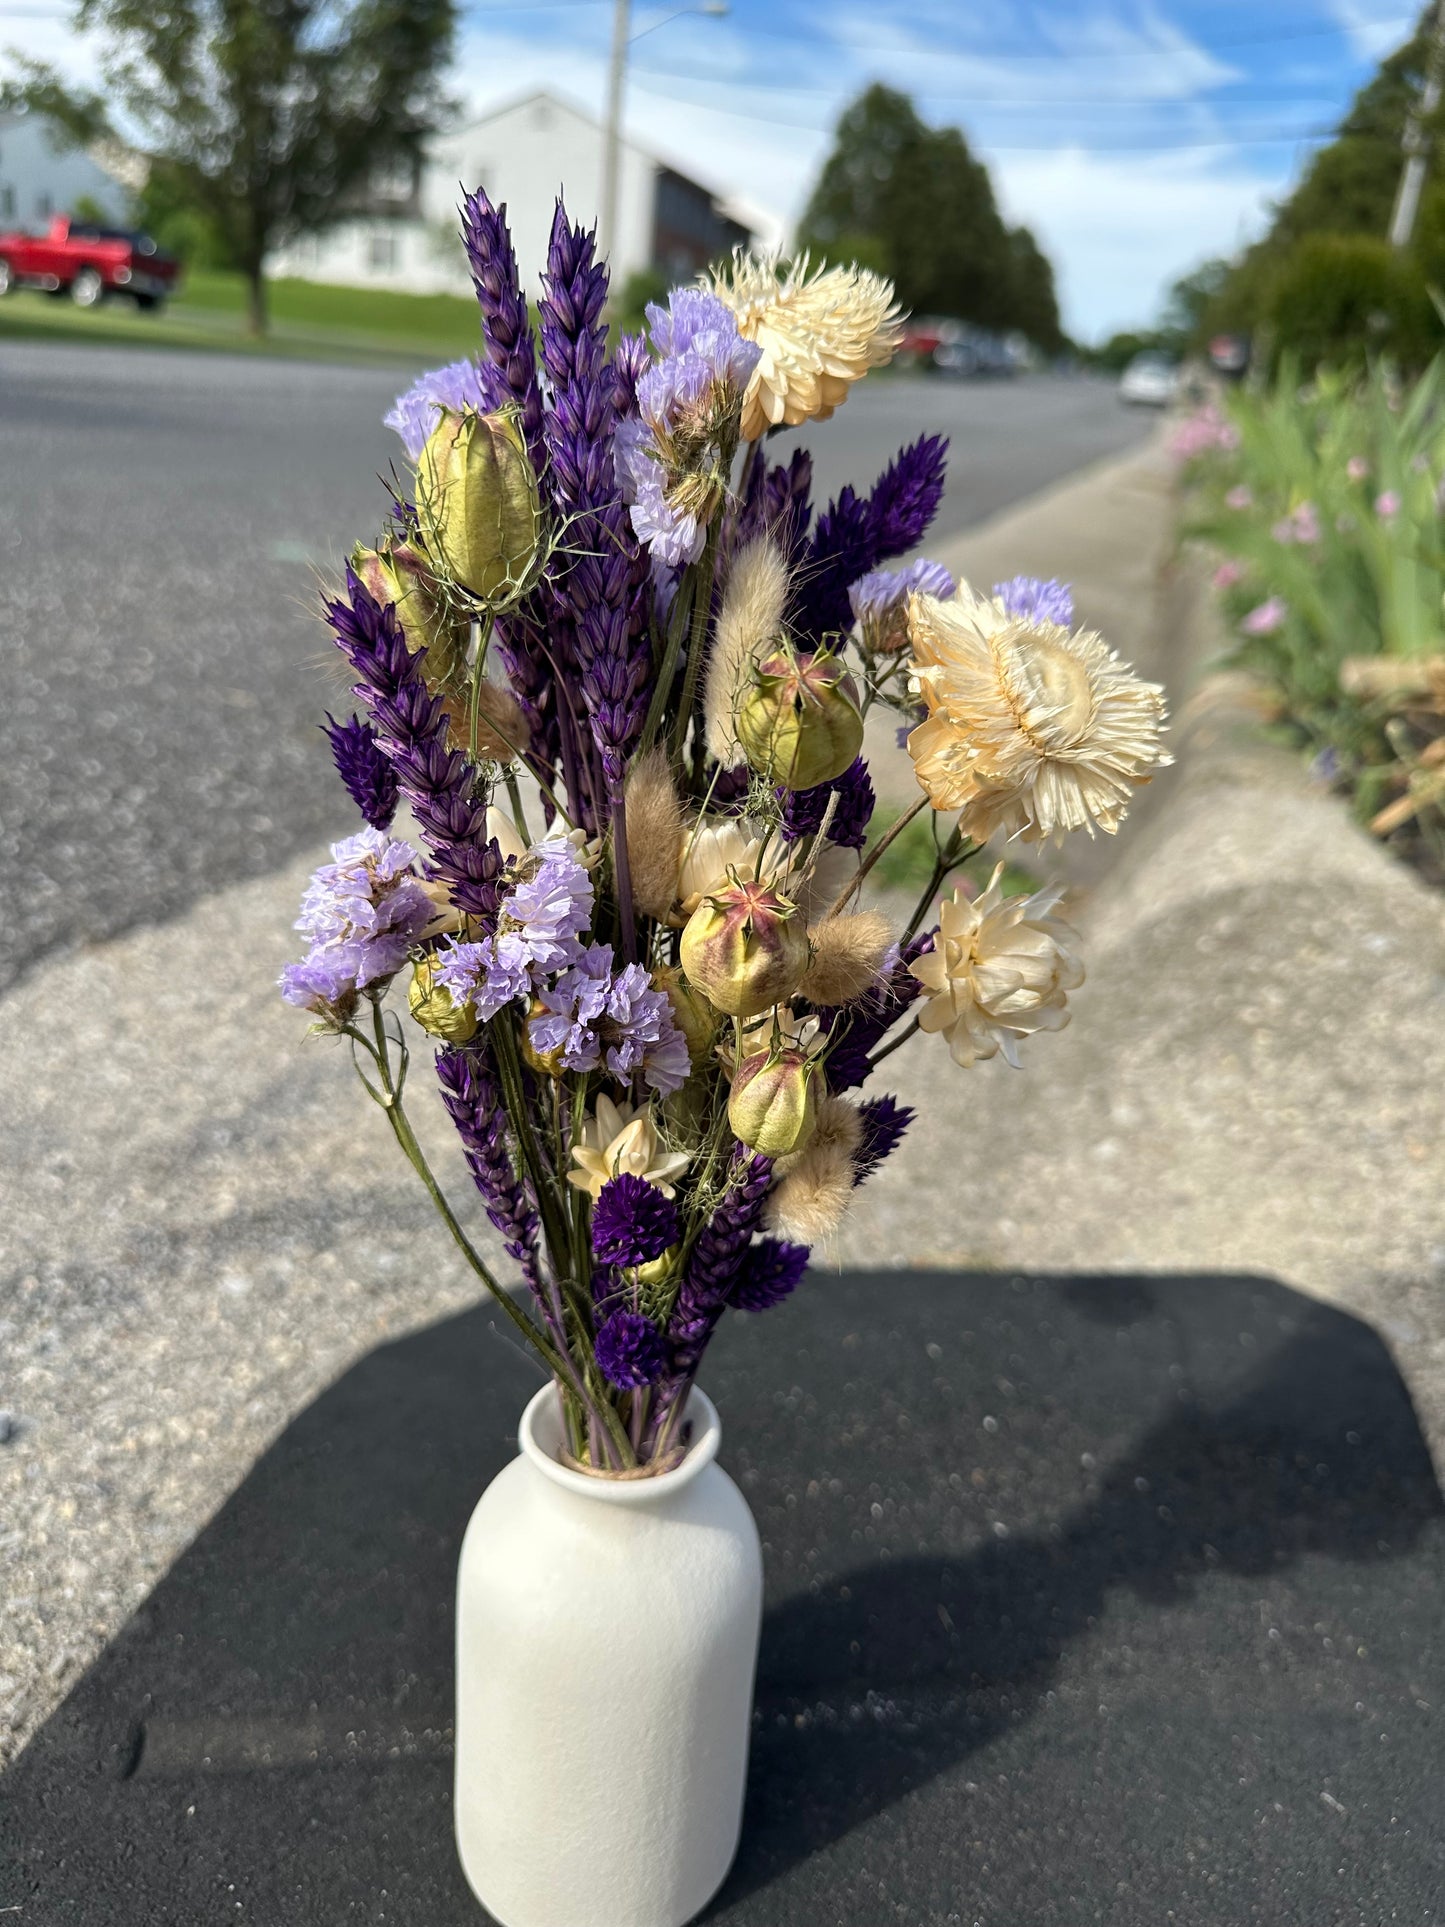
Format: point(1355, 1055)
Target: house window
point(381, 251)
point(394, 179)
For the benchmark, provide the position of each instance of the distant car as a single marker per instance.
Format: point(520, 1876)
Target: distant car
point(1150, 381)
point(1229, 355)
point(88, 262)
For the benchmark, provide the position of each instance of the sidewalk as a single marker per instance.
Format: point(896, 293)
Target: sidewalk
point(207, 1223)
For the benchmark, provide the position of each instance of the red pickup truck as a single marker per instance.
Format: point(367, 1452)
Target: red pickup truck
point(88, 262)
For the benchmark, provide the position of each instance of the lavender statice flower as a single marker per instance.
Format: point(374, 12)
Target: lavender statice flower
point(488, 975)
point(630, 1350)
point(361, 913)
point(856, 1030)
point(509, 374)
point(1033, 600)
point(590, 1018)
point(415, 414)
point(689, 402)
point(473, 1099)
point(879, 602)
point(884, 1120)
point(633, 1222)
point(803, 811)
point(769, 1273)
point(550, 908)
point(716, 1259)
point(370, 780)
point(412, 728)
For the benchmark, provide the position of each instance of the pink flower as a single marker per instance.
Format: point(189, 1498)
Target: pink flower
point(1239, 498)
point(1227, 574)
point(1268, 617)
point(1357, 468)
point(1387, 505)
point(1302, 524)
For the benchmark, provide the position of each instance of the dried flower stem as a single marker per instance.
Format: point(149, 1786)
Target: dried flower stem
point(697, 644)
point(855, 882)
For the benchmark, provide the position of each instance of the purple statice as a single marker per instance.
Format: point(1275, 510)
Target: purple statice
point(803, 811)
point(370, 780)
point(688, 402)
point(1033, 600)
point(857, 1029)
point(716, 1259)
point(550, 908)
point(591, 1018)
point(603, 587)
point(473, 1099)
point(632, 1222)
point(884, 1120)
point(488, 975)
point(769, 1273)
point(451, 389)
point(855, 534)
point(883, 592)
point(412, 729)
point(630, 1350)
point(361, 914)
point(510, 372)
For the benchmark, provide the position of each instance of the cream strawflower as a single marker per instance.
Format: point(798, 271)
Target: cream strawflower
point(818, 332)
point(1000, 969)
point(1031, 728)
point(616, 1140)
point(712, 848)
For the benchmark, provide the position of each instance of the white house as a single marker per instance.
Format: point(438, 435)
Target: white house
point(41, 176)
point(404, 232)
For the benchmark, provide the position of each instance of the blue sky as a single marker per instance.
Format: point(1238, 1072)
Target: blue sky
point(1134, 136)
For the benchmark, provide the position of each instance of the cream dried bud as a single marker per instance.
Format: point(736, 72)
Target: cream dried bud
point(848, 954)
point(435, 1009)
point(771, 1105)
point(745, 948)
point(478, 503)
point(654, 829)
point(692, 1013)
point(801, 724)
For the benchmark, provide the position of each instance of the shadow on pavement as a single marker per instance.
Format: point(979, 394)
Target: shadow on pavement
point(1114, 1594)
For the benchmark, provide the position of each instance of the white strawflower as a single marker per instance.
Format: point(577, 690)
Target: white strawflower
point(1000, 969)
point(819, 333)
point(712, 849)
point(1032, 729)
point(617, 1140)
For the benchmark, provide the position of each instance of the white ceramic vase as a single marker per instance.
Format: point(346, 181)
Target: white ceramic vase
point(607, 1638)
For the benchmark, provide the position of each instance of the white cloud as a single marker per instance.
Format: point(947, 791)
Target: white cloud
point(1120, 229)
point(1374, 27)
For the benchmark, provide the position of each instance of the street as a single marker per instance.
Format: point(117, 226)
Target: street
point(168, 518)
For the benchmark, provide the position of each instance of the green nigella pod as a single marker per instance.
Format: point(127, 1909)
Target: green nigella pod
point(478, 505)
point(800, 724)
point(745, 948)
point(395, 573)
point(435, 1009)
point(771, 1103)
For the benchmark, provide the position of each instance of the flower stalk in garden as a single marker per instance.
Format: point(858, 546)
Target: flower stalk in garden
point(652, 1010)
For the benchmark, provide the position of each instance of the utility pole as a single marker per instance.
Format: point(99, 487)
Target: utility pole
point(612, 129)
point(1416, 141)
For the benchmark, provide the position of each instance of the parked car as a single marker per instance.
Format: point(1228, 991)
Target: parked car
point(1229, 356)
point(961, 349)
point(1150, 381)
point(88, 263)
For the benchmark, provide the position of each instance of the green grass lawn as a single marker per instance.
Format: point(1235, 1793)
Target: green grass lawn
point(907, 863)
point(307, 319)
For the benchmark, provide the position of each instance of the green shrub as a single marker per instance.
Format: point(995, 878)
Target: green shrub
point(1341, 299)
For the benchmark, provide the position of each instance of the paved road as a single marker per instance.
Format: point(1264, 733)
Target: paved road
point(165, 519)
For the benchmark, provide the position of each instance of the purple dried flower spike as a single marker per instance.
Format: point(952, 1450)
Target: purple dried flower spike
point(510, 373)
point(370, 780)
point(803, 810)
point(632, 1222)
point(854, 535)
point(411, 727)
point(715, 1260)
point(858, 1029)
point(884, 1121)
point(473, 1099)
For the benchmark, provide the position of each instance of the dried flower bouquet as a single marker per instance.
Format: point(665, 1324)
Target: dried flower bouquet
point(654, 988)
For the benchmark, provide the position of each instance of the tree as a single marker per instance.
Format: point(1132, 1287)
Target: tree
point(266, 113)
point(912, 201)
